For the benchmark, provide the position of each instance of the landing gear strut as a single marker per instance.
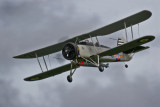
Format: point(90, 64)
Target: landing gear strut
point(69, 77)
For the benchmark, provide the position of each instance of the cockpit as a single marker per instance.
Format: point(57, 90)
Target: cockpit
point(86, 42)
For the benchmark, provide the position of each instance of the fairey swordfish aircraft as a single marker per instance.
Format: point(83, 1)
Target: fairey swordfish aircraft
point(81, 52)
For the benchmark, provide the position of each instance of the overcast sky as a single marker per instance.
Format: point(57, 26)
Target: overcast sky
point(26, 25)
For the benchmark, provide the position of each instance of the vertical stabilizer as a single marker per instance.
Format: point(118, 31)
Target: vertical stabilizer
point(121, 41)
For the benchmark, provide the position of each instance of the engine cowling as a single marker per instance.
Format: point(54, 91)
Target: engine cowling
point(70, 51)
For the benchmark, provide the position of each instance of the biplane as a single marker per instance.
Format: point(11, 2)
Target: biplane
point(80, 52)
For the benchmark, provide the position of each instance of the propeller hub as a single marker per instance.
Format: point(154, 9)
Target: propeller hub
point(70, 51)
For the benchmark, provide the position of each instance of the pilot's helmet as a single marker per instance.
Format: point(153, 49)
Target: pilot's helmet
point(97, 43)
point(87, 40)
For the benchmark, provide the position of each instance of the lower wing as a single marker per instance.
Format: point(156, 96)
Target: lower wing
point(52, 72)
point(129, 46)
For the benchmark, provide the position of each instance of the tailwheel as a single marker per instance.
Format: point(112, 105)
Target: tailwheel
point(126, 65)
point(69, 78)
point(107, 65)
point(101, 68)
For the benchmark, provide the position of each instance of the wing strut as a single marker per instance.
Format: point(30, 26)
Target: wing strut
point(45, 63)
point(126, 31)
point(95, 49)
point(132, 32)
point(39, 62)
point(49, 61)
point(97, 41)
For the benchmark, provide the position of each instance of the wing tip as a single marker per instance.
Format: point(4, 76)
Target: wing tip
point(23, 57)
point(15, 57)
point(146, 39)
point(151, 37)
point(18, 57)
point(147, 13)
point(31, 79)
point(25, 79)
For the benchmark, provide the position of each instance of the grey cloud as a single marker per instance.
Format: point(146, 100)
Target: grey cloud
point(37, 24)
point(8, 94)
point(122, 93)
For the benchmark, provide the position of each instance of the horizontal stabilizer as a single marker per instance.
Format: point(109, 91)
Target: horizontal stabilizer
point(50, 73)
point(128, 46)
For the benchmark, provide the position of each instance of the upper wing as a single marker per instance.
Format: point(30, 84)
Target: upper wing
point(127, 46)
point(50, 73)
point(43, 51)
point(116, 26)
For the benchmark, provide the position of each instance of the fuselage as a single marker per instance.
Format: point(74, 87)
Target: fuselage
point(87, 49)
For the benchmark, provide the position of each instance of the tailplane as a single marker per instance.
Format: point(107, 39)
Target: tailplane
point(121, 41)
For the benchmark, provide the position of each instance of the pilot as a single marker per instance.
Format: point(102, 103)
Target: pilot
point(97, 43)
point(87, 41)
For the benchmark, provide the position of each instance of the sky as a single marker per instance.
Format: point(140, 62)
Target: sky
point(26, 25)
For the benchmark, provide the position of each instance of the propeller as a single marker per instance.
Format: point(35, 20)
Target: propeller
point(69, 51)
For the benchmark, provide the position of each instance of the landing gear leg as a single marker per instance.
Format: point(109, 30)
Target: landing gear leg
point(69, 77)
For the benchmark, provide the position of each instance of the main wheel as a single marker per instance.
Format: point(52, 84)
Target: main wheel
point(101, 68)
point(69, 78)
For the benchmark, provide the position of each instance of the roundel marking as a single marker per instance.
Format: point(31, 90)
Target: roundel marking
point(144, 40)
point(34, 78)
